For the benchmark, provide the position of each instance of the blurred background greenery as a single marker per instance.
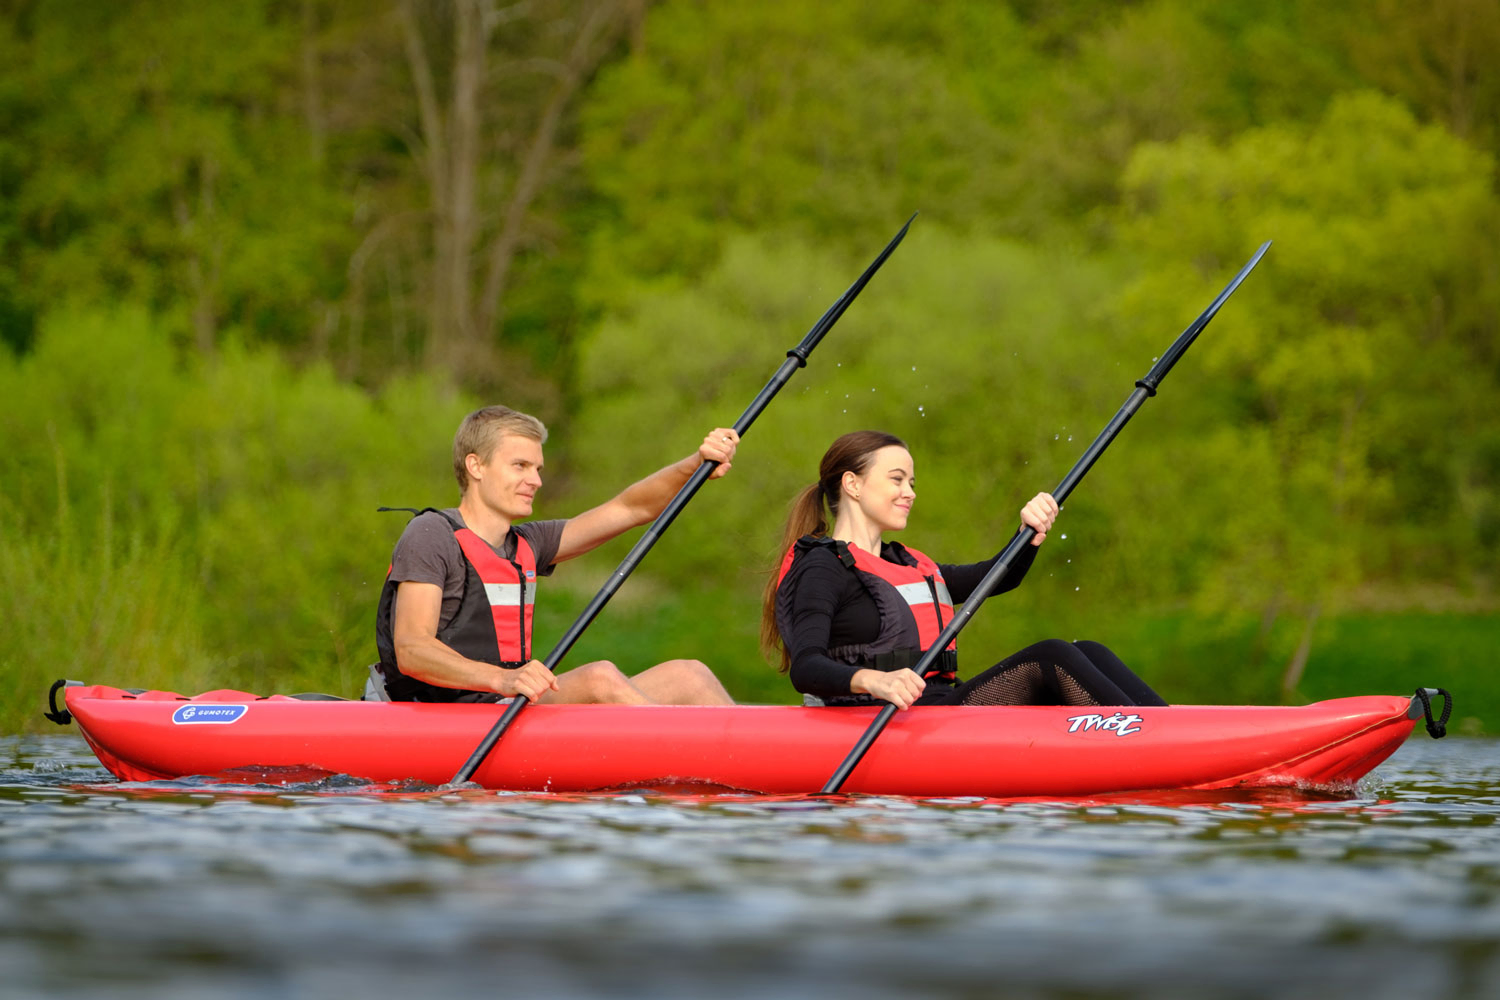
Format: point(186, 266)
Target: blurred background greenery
point(257, 258)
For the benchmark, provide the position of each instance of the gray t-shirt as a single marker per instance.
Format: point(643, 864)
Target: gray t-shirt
point(427, 552)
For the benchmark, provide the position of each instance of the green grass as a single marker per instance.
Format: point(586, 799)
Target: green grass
point(1398, 652)
point(1190, 659)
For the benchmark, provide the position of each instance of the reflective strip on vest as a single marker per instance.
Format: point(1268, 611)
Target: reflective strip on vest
point(508, 593)
point(920, 593)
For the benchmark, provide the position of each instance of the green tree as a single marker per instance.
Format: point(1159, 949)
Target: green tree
point(375, 186)
point(1331, 462)
point(154, 155)
point(1437, 56)
point(831, 120)
point(494, 89)
point(200, 524)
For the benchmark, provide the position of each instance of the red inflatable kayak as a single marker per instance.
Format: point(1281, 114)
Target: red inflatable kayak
point(934, 751)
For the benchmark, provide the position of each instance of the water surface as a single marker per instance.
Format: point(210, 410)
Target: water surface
point(186, 889)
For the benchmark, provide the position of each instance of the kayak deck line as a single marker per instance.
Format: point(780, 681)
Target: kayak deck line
point(1004, 752)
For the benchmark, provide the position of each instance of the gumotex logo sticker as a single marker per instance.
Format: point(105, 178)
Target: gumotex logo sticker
point(1119, 724)
point(220, 715)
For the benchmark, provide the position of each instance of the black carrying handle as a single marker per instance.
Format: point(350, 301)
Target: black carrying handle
point(61, 716)
point(1421, 706)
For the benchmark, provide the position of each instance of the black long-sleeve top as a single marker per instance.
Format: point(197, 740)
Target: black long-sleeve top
point(830, 607)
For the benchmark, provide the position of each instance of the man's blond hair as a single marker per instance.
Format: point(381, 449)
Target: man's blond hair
point(482, 430)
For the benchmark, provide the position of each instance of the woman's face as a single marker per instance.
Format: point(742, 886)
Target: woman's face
point(887, 490)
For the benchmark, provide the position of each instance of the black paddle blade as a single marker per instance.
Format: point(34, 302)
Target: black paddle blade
point(825, 323)
point(1185, 339)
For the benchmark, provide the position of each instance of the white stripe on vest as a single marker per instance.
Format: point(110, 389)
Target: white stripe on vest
point(505, 594)
point(915, 594)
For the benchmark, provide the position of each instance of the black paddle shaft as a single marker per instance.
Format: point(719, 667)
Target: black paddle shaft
point(1144, 389)
point(795, 358)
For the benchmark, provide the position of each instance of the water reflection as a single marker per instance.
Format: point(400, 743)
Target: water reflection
point(317, 885)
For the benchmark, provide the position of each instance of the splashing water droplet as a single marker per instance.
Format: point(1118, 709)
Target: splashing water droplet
point(1054, 437)
point(1070, 437)
point(1075, 589)
point(1065, 536)
point(913, 367)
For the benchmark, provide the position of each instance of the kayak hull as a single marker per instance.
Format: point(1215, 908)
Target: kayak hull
point(931, 751)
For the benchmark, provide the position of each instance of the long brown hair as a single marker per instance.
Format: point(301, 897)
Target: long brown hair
point(812, 511)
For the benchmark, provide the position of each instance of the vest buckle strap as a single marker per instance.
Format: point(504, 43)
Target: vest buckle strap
point(946, 664)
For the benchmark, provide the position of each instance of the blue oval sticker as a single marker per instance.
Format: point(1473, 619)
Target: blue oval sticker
point(221, 715)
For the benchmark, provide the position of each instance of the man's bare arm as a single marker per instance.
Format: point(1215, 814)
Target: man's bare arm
point(641, 502)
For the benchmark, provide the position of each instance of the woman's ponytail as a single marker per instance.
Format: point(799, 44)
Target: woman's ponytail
point(805, 517)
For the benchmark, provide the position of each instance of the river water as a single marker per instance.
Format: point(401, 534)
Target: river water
point(184, 889)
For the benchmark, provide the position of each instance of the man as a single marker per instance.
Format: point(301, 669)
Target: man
point(454, 622)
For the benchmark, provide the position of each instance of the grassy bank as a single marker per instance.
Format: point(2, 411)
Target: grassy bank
point(1190, 659)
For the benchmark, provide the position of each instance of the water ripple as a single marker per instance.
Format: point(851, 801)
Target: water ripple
point(331, 887)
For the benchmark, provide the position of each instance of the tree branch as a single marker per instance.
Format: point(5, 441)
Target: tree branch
point(428, 112)
point(583, 57)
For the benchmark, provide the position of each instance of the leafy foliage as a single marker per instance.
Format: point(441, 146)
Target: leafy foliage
point(225, 237)
point(1332, 356)
point(203, 524)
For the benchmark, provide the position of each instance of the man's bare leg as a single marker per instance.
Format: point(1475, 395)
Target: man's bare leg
point(675, 682)
point(681, 682)
point(597, 683)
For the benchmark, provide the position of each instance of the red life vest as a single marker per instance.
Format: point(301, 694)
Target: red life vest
point(510, 590)
point(910, 595)
point(492, 623)
point(920, 586)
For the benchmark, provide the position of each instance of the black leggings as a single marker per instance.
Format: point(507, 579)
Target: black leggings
point(1051, 672)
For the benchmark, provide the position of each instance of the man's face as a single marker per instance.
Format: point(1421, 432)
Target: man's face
point(507, 482)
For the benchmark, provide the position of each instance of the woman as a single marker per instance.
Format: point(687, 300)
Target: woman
point(851, 614)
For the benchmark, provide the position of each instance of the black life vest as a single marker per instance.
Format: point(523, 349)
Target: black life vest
point(910, 595)
point(492, 623)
